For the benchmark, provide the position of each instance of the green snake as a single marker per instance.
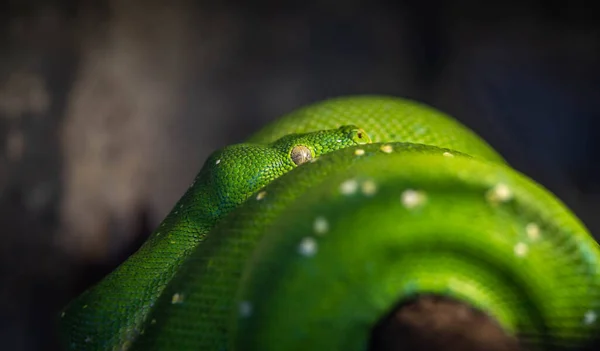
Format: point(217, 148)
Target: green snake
point(311, 231)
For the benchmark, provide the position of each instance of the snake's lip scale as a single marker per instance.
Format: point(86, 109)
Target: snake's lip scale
point(260, 254)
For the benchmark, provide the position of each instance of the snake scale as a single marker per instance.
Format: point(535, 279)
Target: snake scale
point(307, 234)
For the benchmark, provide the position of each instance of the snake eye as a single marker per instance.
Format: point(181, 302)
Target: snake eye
point(300, 154)
point(359, 136)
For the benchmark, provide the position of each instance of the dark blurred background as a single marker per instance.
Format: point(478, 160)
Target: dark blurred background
point(109, 107)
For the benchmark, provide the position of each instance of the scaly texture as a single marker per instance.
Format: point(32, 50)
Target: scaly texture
point(109, 316)
point(316, 255)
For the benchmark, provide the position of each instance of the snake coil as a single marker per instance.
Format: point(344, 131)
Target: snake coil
point(313, 258)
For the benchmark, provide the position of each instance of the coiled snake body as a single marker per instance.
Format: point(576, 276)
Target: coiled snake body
point(309, 233)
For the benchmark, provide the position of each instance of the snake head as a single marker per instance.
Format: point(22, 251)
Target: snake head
point(235, 172)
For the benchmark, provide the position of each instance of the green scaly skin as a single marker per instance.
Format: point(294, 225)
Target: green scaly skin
point(109, 316)
point(317, 255)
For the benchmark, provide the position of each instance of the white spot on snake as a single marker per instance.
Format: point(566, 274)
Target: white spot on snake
point(368, 188)
point(181, 206)
point(308, 247)
point(153, 321)
point(499, 193)
point(62, 315)
point(521, 249)
point(359, 152)
point(413, 198)
point(589, 317)
point(533, 231)
point(320, 225)
point(218, 161)
point(88, 339)
point(245, 309)
point(261, 195)
point(193, 183)
point(339, 140)
point(177, 298)
point(349, 187)
point(176, 212)
point(387, 148)
point(84, 306)
point(448, 154)
point(157, 233)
